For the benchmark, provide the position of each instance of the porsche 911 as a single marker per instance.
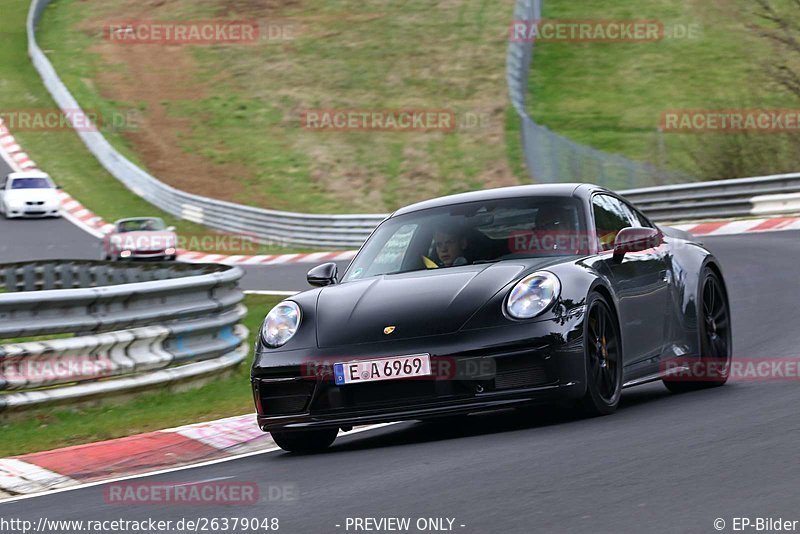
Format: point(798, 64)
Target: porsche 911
point(489, 300)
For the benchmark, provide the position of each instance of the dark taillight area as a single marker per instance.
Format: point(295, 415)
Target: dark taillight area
point(283, 397)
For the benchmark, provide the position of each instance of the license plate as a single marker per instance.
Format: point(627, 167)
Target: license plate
point(393, 368)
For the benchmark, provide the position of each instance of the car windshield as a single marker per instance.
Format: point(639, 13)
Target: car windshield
point(472, 233)
point(141, 225)
point(30, 183)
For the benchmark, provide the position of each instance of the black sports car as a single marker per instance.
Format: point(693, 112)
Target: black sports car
point(493, 299)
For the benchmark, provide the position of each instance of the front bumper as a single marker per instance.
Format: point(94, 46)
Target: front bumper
point(32, 212)
point(476, 370)
point(158, 255)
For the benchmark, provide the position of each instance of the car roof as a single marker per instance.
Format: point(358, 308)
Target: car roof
point(138, 219)
point(545, 190)
point(28, 174)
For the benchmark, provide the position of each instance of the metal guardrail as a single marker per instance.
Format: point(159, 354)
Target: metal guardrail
point(136, 325)
point(741, 197)
point(267, 226)
point(550, 157)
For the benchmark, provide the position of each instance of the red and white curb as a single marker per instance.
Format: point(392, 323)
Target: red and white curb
point(143, 453)
point(76, 213)
point(745, 226)
point(12, 152)
point(313, 257)
point(83, 218)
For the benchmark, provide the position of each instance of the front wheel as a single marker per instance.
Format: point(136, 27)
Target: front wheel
point(304, 441)
point(603, 353)
point(714, 325)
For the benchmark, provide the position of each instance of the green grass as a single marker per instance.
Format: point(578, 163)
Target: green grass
point(30, 339)
point(611, 95)
point(61, 153)
point(244, 120)
point(47, 429)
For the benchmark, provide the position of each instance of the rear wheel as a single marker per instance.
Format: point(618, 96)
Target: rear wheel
point(304, 441)
point(714, 325)
point(603, 351)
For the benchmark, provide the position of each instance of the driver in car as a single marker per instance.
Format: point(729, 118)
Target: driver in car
point(450, 244)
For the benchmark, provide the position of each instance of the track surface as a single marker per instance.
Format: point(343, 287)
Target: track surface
point(39, 239)
point(663, 463)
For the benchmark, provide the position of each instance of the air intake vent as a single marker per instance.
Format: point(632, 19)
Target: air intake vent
point(285, 398)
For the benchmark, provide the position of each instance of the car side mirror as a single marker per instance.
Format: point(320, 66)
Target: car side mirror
point(323, 275)
point(170, 228)
point(635, 240)
point(57, 186)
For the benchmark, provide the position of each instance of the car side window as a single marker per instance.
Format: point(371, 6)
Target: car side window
point(642, 220)
point(630, 214)
point(610, 216)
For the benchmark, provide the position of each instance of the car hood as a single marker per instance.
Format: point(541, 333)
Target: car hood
point(157, 240)
point(32, 195)
point(421, 303)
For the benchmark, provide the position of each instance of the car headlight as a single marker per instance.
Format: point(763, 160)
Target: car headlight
point(532, 295)
point(281, 324)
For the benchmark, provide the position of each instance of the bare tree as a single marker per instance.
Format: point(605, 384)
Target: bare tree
point(781, 26)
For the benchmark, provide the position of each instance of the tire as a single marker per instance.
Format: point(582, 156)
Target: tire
point(304, 441)
point(714, 327)
point(603, 354)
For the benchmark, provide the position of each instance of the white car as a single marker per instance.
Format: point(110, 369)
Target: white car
point(29, 194)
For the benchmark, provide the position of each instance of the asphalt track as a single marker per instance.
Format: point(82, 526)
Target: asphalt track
point(39, 239)
point(662, 463)
point(42, 239)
